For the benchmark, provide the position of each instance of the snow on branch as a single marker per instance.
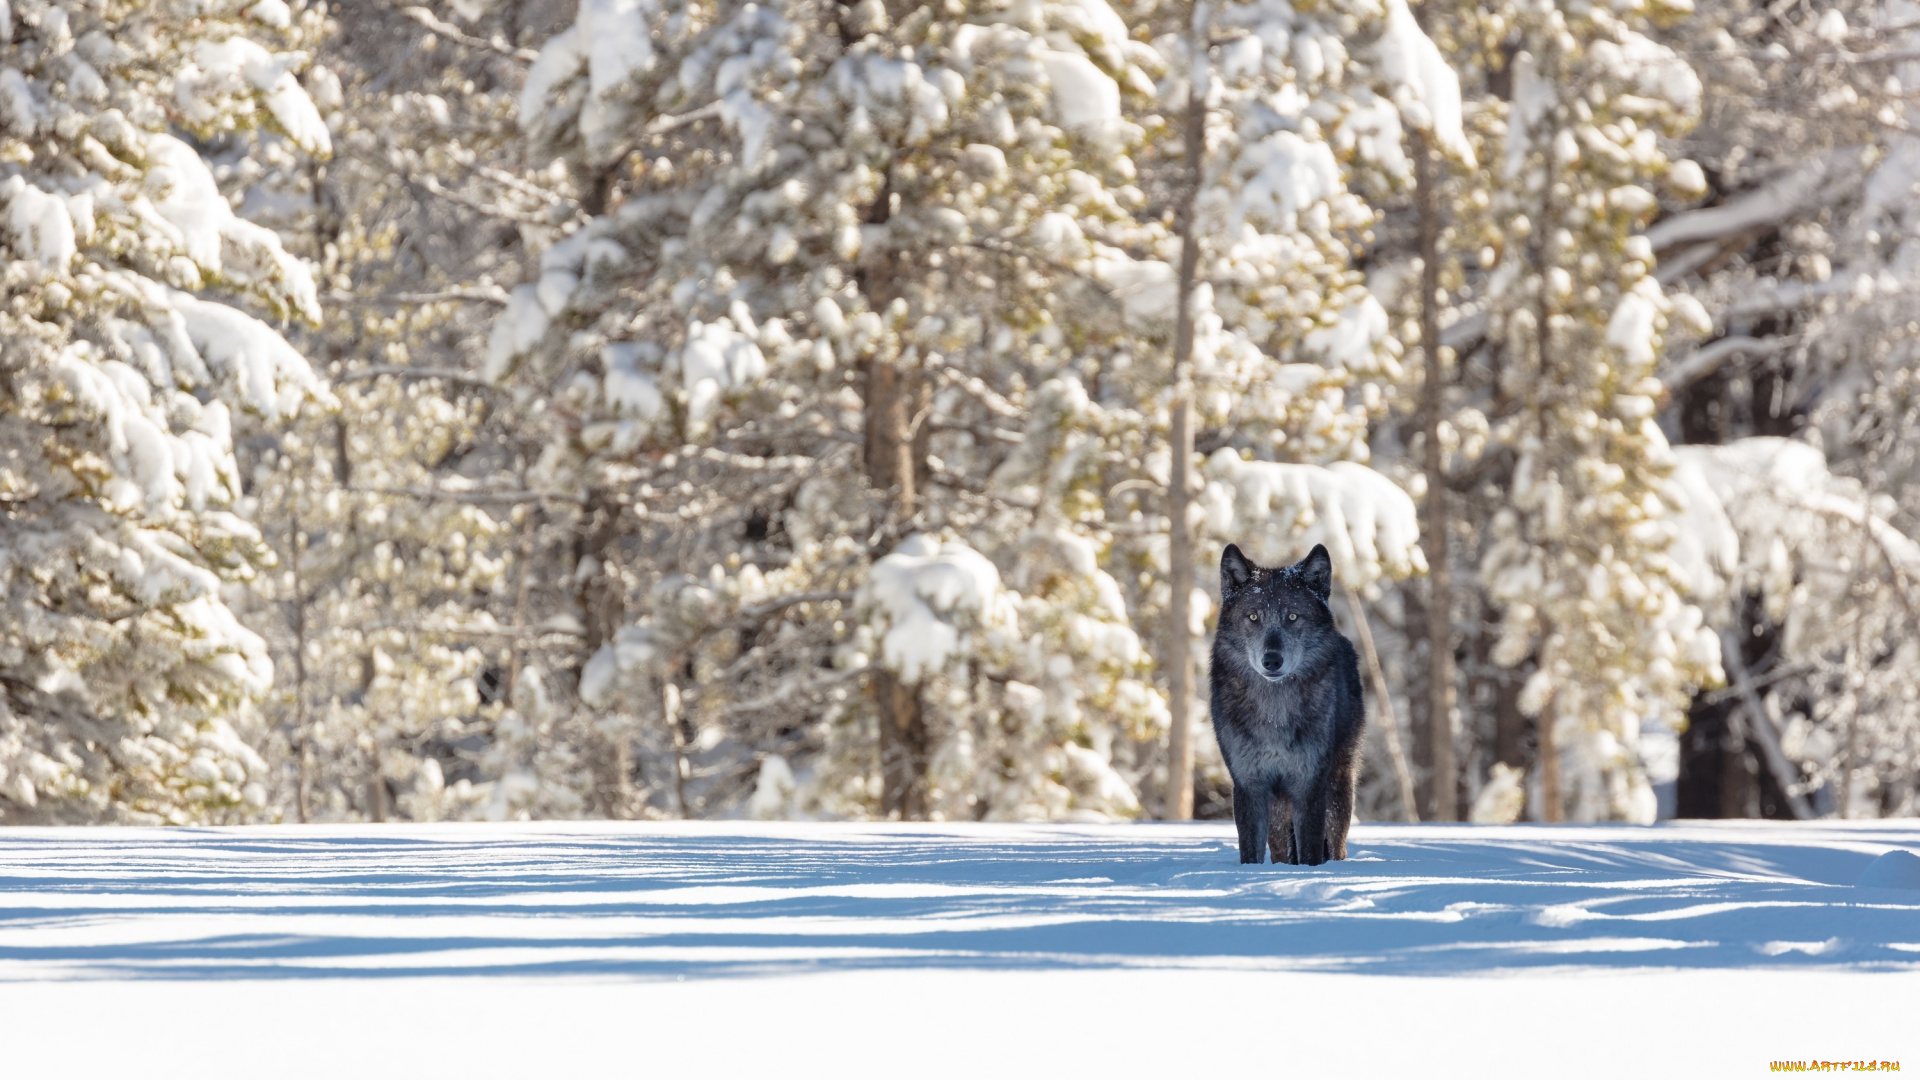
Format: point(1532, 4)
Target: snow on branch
point(238, 63)
point(1278, 511)
point(926, 596)
point(1778, 502)
point(1426, 88)
point(1708, 358)
point(1774, 202)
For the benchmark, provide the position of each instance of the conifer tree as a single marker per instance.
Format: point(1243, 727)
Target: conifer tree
point(402, 517)
point(132, 347)
point(903, 291)
point(1577, 560)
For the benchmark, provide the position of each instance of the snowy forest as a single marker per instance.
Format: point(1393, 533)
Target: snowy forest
point(492, 410)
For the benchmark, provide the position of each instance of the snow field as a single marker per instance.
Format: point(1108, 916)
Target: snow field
point(973, 1023)
point(943, 949)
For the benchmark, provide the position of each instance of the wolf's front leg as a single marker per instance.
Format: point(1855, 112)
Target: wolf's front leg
point(1242, 824)
point(1251, 807)
point(1310, 831)
point(1280, 830)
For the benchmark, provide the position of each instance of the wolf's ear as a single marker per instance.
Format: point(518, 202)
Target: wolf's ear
point(1236, 572)
point(1316, 571)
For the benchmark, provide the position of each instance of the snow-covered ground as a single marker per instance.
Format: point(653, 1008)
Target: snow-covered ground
point(726, 948)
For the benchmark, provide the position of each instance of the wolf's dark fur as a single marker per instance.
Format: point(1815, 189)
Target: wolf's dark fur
point(1286, 709)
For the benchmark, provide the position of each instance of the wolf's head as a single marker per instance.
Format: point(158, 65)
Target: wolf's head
point(1274, 621)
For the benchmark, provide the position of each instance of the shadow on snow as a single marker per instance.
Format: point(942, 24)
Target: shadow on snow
point(740, 899)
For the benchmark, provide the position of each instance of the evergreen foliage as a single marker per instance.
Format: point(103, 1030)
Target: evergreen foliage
point(708, 407)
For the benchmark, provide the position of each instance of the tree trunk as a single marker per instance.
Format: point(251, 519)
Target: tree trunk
point(1509, 723)
point(889, 423)
point(523, 591)
point(1443, 783)
point(890, 466)
point(616, 779)
point(1548, 747)
point(1550, 804)
point(376, 792)
point(1177, 804)
point(304, 785)
point(1179, 796)
point(600, 597)
point(894, 451)
point(903, 748)
point(598, 592)
point(1856, 661)
point(1413, 677)
point(670, 714)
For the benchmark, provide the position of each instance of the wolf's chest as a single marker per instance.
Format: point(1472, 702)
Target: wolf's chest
point(1283, 737)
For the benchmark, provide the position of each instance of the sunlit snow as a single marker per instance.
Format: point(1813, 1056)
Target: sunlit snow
point(271, 927)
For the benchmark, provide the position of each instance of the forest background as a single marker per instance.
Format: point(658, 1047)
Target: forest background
point(641, 408)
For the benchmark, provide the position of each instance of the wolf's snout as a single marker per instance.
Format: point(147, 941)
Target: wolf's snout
point(1271, 661)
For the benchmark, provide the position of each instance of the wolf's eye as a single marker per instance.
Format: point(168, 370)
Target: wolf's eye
point(1291, 616)
point(1254, 618)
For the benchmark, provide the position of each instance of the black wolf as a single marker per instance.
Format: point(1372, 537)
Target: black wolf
point(1286, 709)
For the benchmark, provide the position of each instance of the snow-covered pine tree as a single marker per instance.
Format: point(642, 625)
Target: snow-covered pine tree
point(1799, 249)
point(797, 296)
point(1811, 583)
point(1578, 559)
point(1429, 268)
point(124, 670)
point(861, 376)
point(1313, 103)
point(401, 517)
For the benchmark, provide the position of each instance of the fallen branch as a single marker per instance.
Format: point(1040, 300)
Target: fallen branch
point(1389, 723)
point(1783, 770)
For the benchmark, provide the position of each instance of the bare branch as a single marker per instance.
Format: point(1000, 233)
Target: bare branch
point(519, 632)
point(1005, 250)
point(781, 603)
point(453, 33)
point(400, 371)
point(432, 186)
point(443, 494)
point(991, 434)
point(508, 180)
point(785, 695)
point(660, 125)
point(444, 296)
point(1708, 358)
point(946, 477)
point(748, 461)
point(981, 392)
